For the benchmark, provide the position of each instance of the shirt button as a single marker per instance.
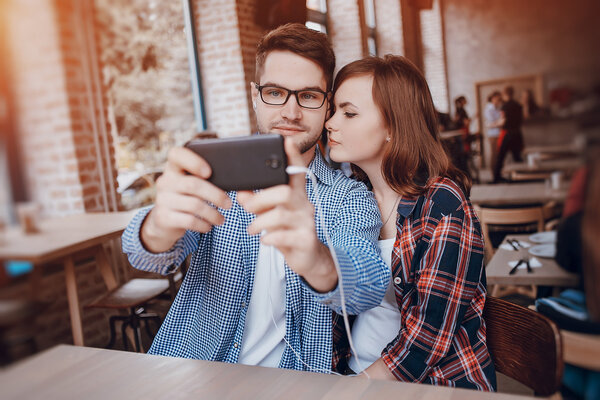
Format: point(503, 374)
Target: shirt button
point(243, 305)
point(397, 280)
point(235, 345)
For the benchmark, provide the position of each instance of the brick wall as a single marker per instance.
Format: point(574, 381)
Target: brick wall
point(388, 17)
point(489, 39)
point(57, 110)
point(434, 62)
point(222, 64)
point(250, 34)
point(344, 31)
point(94, 150)
point(42, 115)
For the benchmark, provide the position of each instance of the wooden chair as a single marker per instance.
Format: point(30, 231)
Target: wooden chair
point(524, 345)
point(16, 328)
point(133, 296)
point(508, 216)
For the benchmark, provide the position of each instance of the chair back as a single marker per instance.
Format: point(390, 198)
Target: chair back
point(507, 216)
point(524, 345)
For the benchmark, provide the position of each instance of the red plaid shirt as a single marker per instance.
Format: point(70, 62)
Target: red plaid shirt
point(439, 279)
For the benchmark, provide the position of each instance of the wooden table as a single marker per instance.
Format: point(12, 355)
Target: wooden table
point(64, 239)
point(567, 149)
point(516, 194)
point(549, 274)
point(565, 164)
point(447, 135)
point(67, 372)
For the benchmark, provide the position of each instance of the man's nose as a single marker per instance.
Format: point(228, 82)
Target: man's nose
point(291, 109)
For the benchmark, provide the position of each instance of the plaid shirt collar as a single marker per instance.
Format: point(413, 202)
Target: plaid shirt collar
point(321, 169)
point(407, 206)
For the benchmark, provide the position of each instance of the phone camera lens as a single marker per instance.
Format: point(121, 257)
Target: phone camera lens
point(273, 163)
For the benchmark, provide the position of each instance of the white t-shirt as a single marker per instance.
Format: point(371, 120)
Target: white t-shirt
point(492, 114)
point(263, 343)
point(375, 328)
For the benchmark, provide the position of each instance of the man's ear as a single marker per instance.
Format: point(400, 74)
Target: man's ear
point(254, 94)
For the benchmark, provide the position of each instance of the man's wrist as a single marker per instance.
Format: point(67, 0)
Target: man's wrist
point(322, 277)
point(151, 238)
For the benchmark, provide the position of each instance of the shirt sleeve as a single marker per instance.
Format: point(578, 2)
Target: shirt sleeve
point(445, 284)
point(489, 115)
point(365, 276)
point(162, 263)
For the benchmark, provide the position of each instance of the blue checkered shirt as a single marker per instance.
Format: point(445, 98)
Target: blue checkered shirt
point(207, 318)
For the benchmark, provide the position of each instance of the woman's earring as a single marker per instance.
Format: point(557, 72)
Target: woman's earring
point(388, 139)
point(254, 104)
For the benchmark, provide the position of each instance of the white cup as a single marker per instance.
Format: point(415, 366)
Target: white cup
point(579, 142)
point(531, 159)
point(555, 180)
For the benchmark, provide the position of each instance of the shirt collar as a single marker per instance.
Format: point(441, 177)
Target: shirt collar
point(406, 206)
point(321, 169)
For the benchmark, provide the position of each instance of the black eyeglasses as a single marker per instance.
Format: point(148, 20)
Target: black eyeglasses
point(277, 96)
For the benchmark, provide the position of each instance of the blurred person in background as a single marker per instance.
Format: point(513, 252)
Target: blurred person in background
point(511, 136)
point(462, 120)
point(530, 107)
point(494, 122)
point(578, 251)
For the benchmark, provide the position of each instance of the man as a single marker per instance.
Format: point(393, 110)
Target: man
point(512, 137)
point(261, 285)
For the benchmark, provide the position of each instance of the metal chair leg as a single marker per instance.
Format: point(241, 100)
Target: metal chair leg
point(135, 324)
point(112, 321)
point(124, 335)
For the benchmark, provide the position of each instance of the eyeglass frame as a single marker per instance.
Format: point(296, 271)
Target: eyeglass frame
point(289, 93)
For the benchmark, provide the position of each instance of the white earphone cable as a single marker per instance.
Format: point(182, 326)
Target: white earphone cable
point(302, 170)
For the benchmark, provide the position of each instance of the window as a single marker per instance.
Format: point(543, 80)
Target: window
point(151, 96)
point(316, 15)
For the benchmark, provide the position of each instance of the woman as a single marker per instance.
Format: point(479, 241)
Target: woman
point(494, 122)
point(429, 327)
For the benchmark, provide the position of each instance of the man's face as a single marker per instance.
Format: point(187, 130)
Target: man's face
point(287, 70)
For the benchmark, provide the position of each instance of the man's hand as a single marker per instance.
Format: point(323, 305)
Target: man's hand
point(287, 217)
point(182, 201)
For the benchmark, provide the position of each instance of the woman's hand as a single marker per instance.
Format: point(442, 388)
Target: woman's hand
point(378, 370)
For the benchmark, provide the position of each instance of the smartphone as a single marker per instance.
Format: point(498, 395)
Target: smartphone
point(244, 163)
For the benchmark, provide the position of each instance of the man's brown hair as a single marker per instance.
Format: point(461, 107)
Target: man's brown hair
point(302, 41)
point(414, 156)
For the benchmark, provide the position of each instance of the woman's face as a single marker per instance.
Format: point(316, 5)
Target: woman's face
point(357, 132)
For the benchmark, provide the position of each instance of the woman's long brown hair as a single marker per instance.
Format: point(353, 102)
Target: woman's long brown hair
point(414, 156)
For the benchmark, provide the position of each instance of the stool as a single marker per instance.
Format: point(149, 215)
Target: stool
point(14, 313)
point(132, 296)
